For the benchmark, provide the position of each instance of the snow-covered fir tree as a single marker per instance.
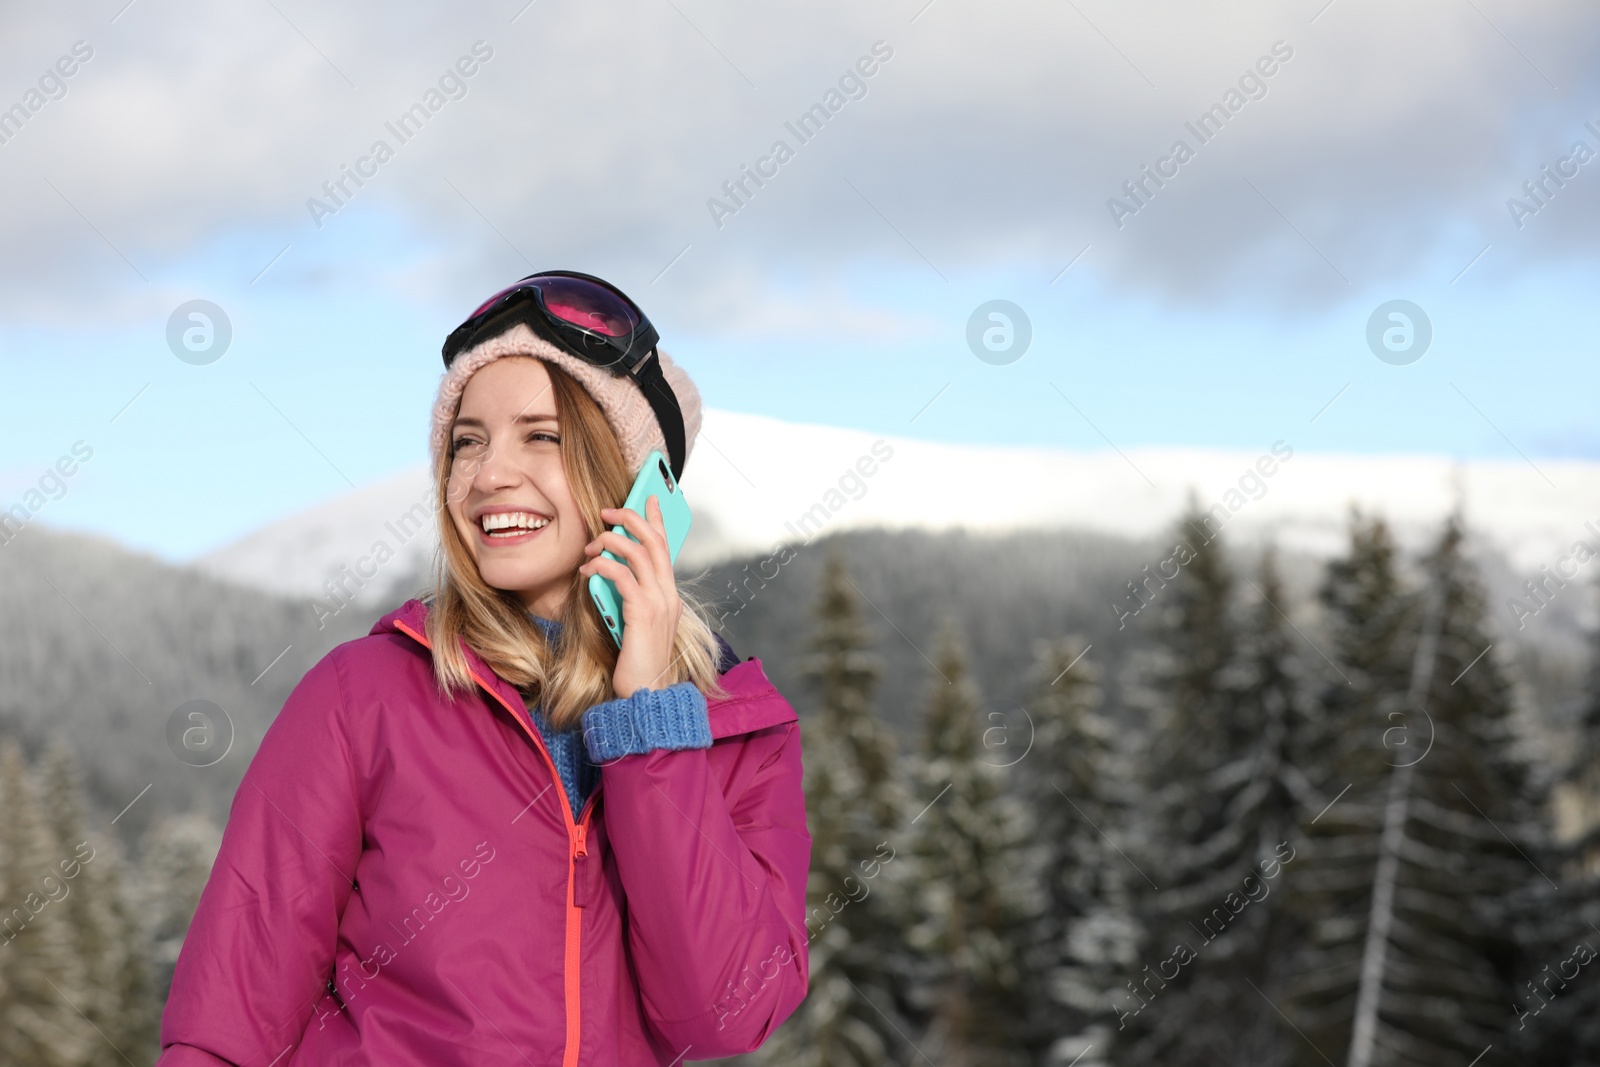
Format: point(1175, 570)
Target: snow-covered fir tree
point(977, 880)
point(1085, 937)
point(1558, 984)
point(854, 1013)
point(1363, 730)
point(1218, 824)
point(43, 980)
point(1416, 952)
point(108, 930)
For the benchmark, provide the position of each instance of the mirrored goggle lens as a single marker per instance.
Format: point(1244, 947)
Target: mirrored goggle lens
point(493, 300)
point(585, 304)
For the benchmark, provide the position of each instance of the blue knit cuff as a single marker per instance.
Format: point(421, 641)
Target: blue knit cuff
point(670, 718)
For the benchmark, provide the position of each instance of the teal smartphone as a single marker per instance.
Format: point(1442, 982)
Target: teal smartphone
point(655, 479)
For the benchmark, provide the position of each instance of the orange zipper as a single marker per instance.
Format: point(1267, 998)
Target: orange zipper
point(577, 836)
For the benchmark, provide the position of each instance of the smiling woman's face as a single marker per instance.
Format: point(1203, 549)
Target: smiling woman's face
point(508, 494)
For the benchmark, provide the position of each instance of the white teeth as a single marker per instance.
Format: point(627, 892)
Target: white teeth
point(508, 520)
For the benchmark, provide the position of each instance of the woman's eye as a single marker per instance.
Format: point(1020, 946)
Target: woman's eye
point(462, 442)
point(544, 435)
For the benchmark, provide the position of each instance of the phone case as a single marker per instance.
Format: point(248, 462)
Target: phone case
point(655, 479)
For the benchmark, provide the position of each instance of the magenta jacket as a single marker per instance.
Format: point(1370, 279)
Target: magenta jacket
point(402, 882)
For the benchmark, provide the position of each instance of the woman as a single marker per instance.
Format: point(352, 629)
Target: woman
point(482, 834)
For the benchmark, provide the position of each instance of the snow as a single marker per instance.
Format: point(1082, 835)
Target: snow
point(754, 481)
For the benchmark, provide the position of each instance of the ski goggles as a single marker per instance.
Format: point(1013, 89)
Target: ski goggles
point(590, 319)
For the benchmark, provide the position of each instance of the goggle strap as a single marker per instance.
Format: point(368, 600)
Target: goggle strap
point(664, 402)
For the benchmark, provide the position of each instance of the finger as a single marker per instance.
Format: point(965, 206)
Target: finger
point(649, 532)
point(627, 585)
point(658, 523)
point(654, 534)
point(627, 518)
point(655, 553)
point(641, 604)
point(631, 552)
point(647, 588)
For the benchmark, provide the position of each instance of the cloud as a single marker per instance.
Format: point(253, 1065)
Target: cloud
point(993, 137)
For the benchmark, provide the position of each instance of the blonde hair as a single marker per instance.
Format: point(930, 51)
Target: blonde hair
point(574, 673)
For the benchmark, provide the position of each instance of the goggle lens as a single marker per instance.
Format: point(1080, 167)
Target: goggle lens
point(591, 306)
point(577, 301)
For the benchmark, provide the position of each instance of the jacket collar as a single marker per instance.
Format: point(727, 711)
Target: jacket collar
point(411, 620)
point(752, 702)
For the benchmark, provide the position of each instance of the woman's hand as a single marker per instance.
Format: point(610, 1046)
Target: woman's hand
point(650, 604)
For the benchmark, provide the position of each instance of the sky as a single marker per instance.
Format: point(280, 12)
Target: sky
point(1358, 154)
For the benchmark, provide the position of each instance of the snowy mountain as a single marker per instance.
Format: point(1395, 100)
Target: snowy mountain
point(754, 482)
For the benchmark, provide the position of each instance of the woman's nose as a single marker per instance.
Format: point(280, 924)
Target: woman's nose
point(493, 469)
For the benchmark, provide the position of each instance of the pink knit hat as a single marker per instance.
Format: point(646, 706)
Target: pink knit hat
point(625, 406)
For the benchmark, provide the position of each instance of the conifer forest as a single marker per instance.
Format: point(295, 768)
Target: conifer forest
point(1277, 830)
point(1331, 851)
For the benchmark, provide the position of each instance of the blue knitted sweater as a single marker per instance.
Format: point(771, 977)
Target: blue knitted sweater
point(670, 718)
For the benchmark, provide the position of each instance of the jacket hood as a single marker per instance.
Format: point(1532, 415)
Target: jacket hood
point(411, 616)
